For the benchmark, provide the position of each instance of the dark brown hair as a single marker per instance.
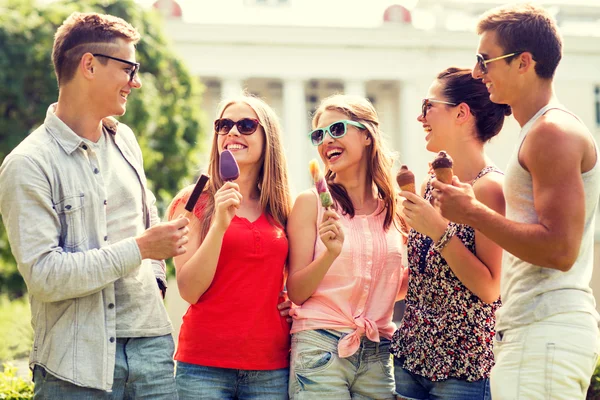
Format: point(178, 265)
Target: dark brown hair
point(84, 33)
point(459, 86)
point(526, 28)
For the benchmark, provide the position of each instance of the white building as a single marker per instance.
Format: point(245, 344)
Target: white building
point(293, 63)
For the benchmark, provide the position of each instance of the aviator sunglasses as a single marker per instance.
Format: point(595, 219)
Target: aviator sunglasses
point(426, 103)
point(245, 126)
point(482, 62)
point(335, 130)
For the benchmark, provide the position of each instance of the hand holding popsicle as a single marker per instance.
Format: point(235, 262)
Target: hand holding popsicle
point(228, 198)
point(320, 184)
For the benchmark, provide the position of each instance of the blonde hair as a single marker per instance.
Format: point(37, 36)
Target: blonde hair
point(381, 159)
point(273, 181)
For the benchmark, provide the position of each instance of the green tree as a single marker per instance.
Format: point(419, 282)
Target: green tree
point(164, 113)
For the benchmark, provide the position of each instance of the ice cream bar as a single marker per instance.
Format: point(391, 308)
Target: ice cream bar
point(442, 167)
point(198, 188)
point(228, 168)
point(406, 179)
point(320, 184)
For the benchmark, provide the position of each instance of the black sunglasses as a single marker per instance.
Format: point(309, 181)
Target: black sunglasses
point(135, 67)
point(482, 62)
point(245, 126)
point(427, 102)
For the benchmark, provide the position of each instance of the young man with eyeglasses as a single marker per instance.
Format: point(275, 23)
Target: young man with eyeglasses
point(84, 230)
point(546, 343)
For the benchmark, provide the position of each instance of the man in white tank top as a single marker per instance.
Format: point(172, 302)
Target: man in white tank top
point(546, 344)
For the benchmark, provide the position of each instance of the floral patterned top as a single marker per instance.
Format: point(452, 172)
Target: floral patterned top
point(447, 331)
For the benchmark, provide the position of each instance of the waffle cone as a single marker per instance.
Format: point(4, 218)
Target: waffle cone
point(444, 175)
point(410, 187)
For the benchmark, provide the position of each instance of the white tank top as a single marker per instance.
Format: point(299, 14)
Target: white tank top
point(530, 292)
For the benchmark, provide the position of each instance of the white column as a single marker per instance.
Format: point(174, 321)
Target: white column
point(355, 87)
point(231, 87)
point(296, 128)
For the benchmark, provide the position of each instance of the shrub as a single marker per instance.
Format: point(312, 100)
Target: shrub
point(13, 387)
point(16, 334)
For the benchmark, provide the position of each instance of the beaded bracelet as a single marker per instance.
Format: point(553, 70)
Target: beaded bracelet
point(448, 233)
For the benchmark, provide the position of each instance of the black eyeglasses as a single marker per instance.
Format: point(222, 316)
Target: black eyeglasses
point(245, 126)
point(427, 102)
point(482, 62)
point(336, 130)
point(135, 67)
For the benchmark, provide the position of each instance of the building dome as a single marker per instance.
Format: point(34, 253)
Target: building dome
point(397, 14)
point(168, 8)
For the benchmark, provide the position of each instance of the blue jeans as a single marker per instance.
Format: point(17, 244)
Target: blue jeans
point(317, 372)
point(200, 382)
point(143, 370)
point(415, 387)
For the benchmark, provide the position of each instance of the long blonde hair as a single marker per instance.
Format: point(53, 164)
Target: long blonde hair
point(273, 181)
point(381, 160)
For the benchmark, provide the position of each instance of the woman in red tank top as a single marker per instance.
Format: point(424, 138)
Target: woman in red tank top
point(234, 342)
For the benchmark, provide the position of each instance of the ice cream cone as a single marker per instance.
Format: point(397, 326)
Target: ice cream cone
point(409, 188)
point(444, 175)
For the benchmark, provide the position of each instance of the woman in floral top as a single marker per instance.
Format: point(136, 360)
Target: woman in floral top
point(443, 348)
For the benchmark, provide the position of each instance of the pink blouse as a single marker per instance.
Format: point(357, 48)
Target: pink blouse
point(358, 293)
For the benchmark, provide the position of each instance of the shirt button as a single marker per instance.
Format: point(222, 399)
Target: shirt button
point(105, 238)
point(105, 202)
point(111, 306)
point(96, 170)
point(84, 147)
point(112, 339)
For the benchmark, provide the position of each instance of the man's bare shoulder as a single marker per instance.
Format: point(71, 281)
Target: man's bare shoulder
point(558, 137)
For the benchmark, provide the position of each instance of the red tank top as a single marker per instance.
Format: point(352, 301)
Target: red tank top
point(235, 323)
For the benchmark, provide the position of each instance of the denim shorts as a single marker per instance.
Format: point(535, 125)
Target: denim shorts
point(410, 386)
point(143, 370)
point(201, 382)
point(317, 372)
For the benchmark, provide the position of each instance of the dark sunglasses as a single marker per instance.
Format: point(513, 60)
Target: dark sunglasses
point(427, 102)
point(482, 62)
point(135, 67)
point(335, 130)
point(245, 126)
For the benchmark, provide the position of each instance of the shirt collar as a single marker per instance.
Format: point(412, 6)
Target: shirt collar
point(65, 136)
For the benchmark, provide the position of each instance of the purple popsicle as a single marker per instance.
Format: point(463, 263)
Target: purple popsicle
point(228, 168)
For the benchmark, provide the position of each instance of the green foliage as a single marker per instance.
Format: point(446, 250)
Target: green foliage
point(13, 387)
point(164, 113)
point(594, 389)
point(16, 334)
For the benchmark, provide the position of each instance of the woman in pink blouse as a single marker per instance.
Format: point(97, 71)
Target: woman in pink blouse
point(345, 262)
